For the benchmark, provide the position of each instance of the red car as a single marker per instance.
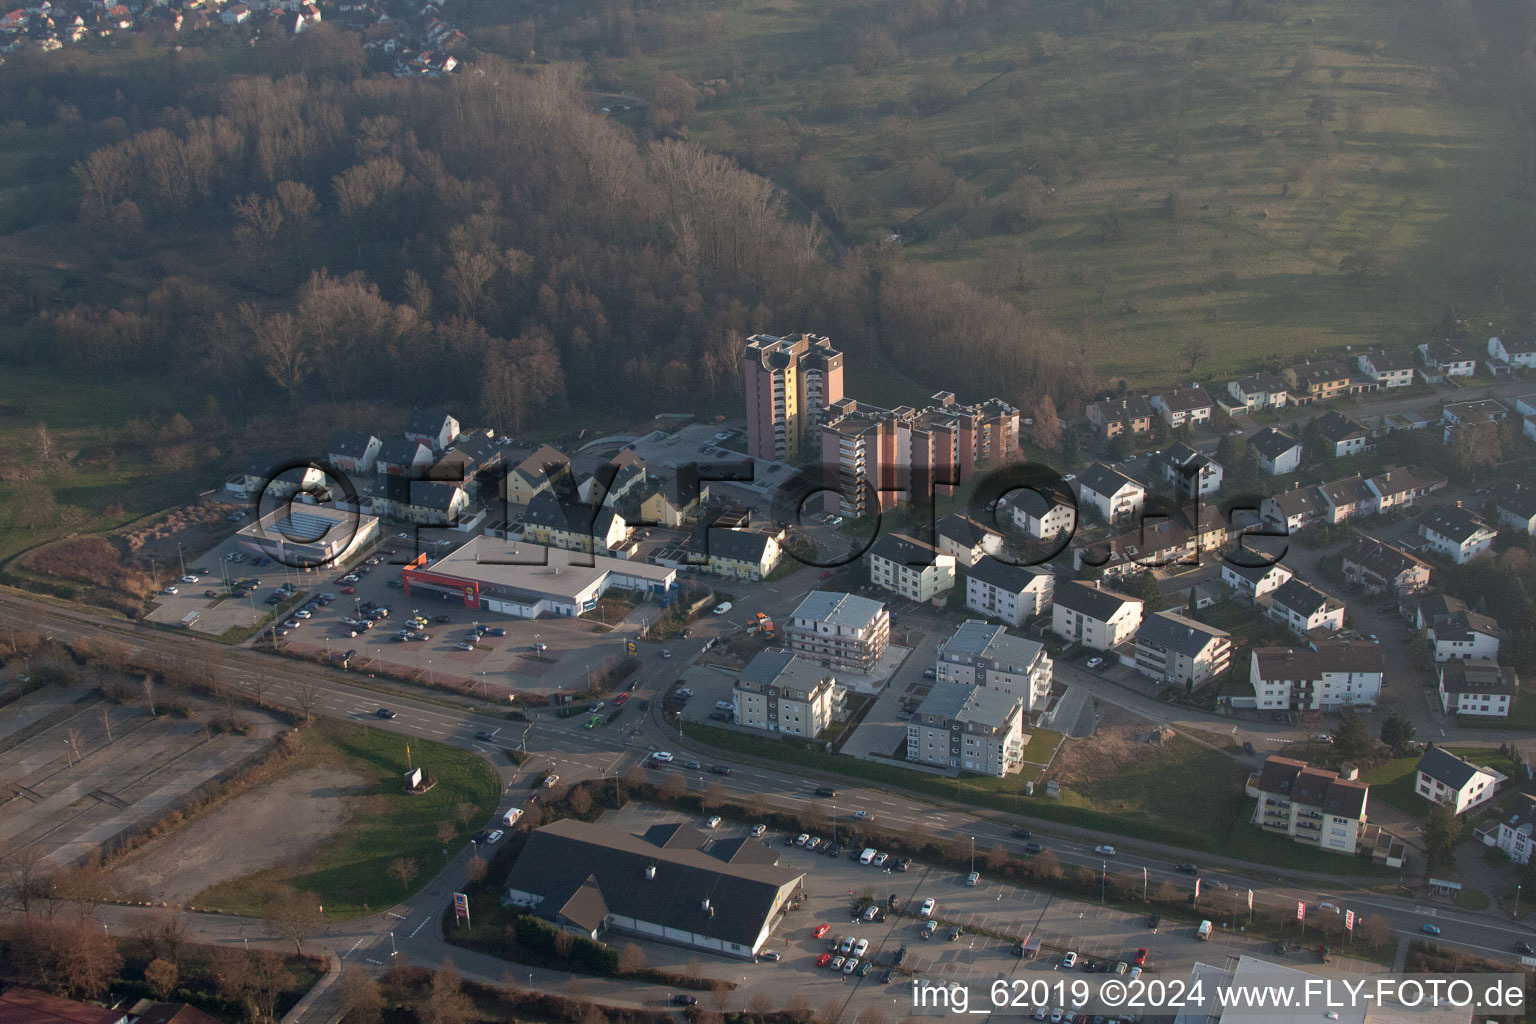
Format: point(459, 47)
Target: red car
point(349, 590)
point(824, 959)
point(821, 930)
point(620, 700)
point(1141, 958)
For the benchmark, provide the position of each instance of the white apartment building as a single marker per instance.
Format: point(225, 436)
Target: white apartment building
point(1012, 593)
point(1304, 608)
point(839, 630)
point(1110, 493)
point(982, 654)
point(907, 566)
point(1326, 676)
point(1310, 805)
point(1456, 533)
point(1092, 616)
point(1177, 651)
point(1480, 689)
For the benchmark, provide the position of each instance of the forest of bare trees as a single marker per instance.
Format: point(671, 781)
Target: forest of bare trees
point(489, 241)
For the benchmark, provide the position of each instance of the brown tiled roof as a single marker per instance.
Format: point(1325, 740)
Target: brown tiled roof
point(1310, 662)
point(1315, 787)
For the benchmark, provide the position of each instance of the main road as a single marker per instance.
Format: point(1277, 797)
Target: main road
point(577, 754)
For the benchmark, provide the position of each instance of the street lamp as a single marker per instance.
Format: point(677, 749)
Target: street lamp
point(1103, 876)
point(1517, 903)
point(973, 855)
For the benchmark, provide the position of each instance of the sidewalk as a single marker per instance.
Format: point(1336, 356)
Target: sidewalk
point(314, 1007)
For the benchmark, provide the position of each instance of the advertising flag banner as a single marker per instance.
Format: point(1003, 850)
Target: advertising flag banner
point(1301, 910)
point(1349, 920)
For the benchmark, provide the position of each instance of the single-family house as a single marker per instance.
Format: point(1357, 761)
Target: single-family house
point(1294, 509)
point(1254, 580)
point(1381, 567)
point(1111, 417)
point(400, 456)
point(1323, 381)
point(967, 540)
point(1110, 493)
point(1513, 352)
point(1458, 633)
point(1192, 474)
point(1515, 504)
point(1260, 391)
point(1094, 616)
point(1279, 453)
point(1482, 689)
point(1446, 359)
point(1344, 436)
point(1181, 406)
point(668, 500)
point(1457, 533)
point(1387, 369)
point(1042, 515)
point(1443, 778)
point(1304, 608)
point(1403, 487)
point(354, 451)
point(1515, 833)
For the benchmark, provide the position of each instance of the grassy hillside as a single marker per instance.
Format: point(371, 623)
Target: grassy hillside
point(1261, 179)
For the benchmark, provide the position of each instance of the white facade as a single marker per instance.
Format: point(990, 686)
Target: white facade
point(1103, 623)
point(1334, 677)
point(1042, 523)
point(1255, 582)
point(1012, 603)
point(1386, 370)
point(1459, 549)
point(1478, 788)
point(1523, 354)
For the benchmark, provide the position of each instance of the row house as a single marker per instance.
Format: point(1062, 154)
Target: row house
point(574, 526)
point(1260, 391)
point(1326, 675)
point(1457, 533)
point(1182, 406)
point(1295, 509)
point(1446, 359)
point(743, 554)
point(1112, 417)
point(1387, 369)
point(1381, 567)
point(1012, 593)
point(1324, 381)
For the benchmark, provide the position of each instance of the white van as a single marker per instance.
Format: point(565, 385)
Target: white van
point(510, 818)
point(868, 855)
point(1204, 934)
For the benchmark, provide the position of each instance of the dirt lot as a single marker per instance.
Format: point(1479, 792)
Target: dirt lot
point(279, 823)
point(1121, 740)
point(78, 772)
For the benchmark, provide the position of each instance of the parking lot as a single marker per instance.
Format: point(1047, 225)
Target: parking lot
point(991, 918)
point(537, 656)
point(215, 573)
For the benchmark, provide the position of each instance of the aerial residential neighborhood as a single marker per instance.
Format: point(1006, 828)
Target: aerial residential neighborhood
point(793, 513)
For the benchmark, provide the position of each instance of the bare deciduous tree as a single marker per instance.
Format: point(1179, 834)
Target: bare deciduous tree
point(476, 869)
point(403, 870)
point(361, 996)
point(446, 1003)
point(161, 976)
point(293, 915)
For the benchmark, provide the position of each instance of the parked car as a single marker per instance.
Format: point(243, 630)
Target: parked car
point(1070, 960)
point(1140, 959)
point(771, 955)
point(1186, 869)
point(494, 837)
point(929, 929)
point(926, 910)
point(1094, 662)
point(821, 931)
point(758, 831)
point(713, 822)
point(824, 960)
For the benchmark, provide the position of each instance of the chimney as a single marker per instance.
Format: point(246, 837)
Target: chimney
point(650, 871)
point(704, 906)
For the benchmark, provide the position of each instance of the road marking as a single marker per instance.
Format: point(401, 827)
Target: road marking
point(420, 926)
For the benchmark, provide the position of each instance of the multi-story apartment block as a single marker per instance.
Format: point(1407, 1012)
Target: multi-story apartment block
point(1110, 493)
point(1456, 533)
point(1177, 651)
point(1304, 608)
point(779, 691)
point(1012, 593)
point(916, 571)
point(875, 459)
point(1381, 567)
point(1387, 369)
point(1255, 580)
point(1325, 676)
point(1311, 805)
point(1115, 416)
point(1092, 616)
point(791, 382)
point(981, 654)
point(1443, 778)
point(1480, 689)
point(839, 630)
point(968, 727)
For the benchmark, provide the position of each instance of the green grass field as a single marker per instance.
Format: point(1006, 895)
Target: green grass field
point(1168, 171)
point(1393, 782)
point(349, 873)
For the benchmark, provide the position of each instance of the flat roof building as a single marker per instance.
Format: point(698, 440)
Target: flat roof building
point(309, 536)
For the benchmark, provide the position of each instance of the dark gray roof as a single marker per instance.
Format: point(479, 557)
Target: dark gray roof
point(436, 496)
point(1094, 602)
point(1517, 499)
point(1130, 407)
point(963, 530)
point(1452, 522)
point(1446, 767)
point(1387, 361)
point(1298, 501)
point(1465, 675)
point(956, 702)
point(903, 550)
point(1299, 596)
point(566, 855)
point(399, 451)
point(1271, 443)
point(1176, 633)
point(1380, 558)
point(1337, 427)
point(785, 669)
point(734, 545)
point(427, 422)
point(349, 444)
point(1253, 573)
point(1106, 480)
point(1012, 578)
